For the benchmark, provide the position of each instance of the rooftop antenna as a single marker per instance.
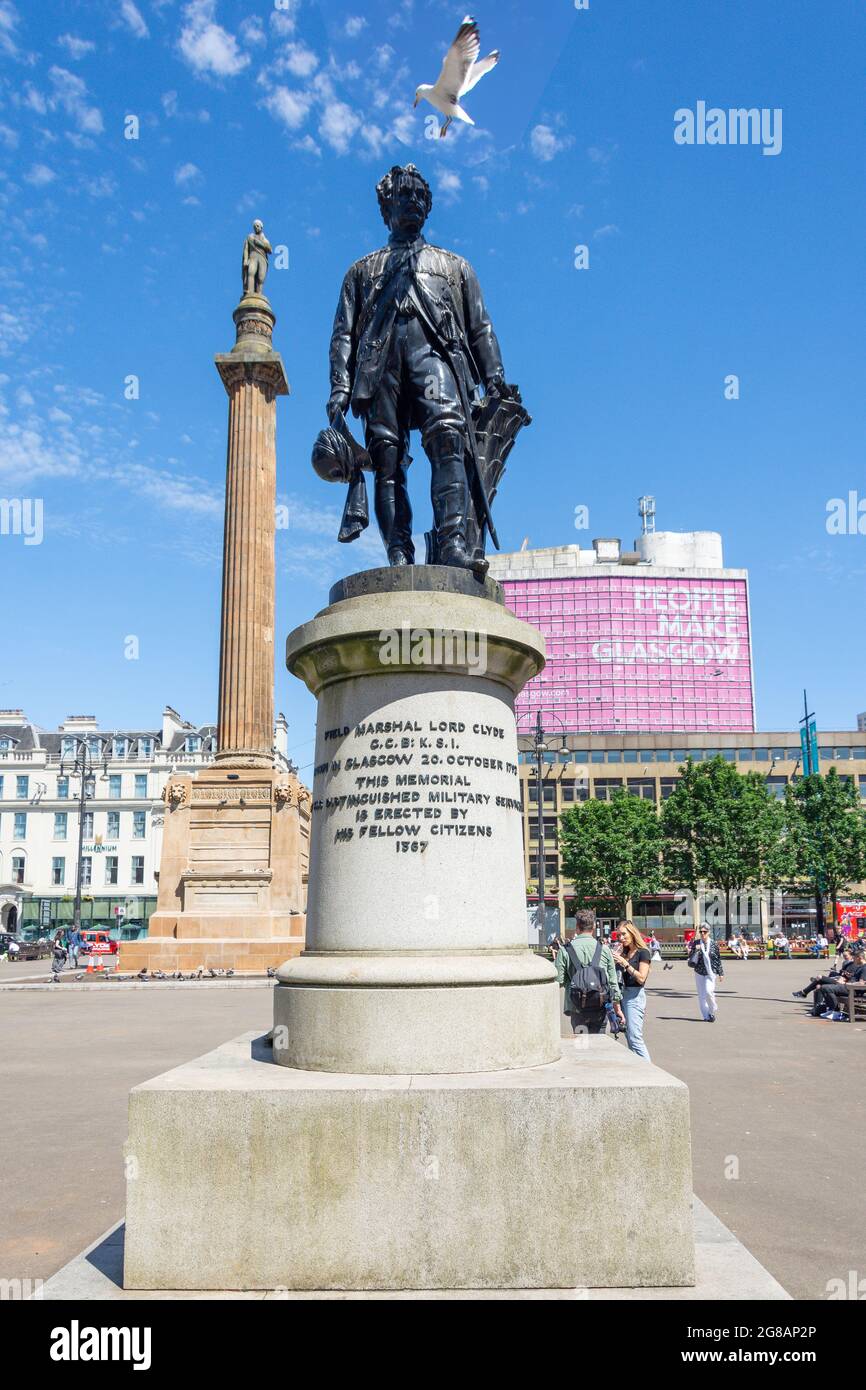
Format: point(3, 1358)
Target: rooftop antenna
point(646, 507)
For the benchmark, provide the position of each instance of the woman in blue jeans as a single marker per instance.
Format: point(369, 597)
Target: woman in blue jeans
point(632, 957)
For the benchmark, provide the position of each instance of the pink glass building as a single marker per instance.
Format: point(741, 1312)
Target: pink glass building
point(636, 644)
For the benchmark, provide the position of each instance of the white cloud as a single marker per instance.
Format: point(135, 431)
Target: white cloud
point(609, 229)
point(9, 136)
point(252, 32)
point(289, 107)
point(546, 144)
point(39, 175)
point(186, 173)
point(75, 47)
point(300, 60)
point(206, 46)
point(131, 17)
point(8, 25)
point(309, 145)
point(70, 93)
point(449, 185)
point(284, 19)
point(102, 186)
point(482, 183)
point(338, 124)
point(353, 26)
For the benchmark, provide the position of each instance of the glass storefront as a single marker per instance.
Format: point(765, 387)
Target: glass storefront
point(45, 916)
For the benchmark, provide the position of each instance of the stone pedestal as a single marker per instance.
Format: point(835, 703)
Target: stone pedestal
point(417, 1124)
point(230, 887)
point(231, 894)
point(245, 1175)
point(416, 957)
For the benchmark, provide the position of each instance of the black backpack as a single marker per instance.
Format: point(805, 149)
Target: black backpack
point(587, 984)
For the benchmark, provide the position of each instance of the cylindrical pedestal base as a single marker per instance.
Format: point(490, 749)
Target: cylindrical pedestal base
point(429, 1014)
point(417, 958)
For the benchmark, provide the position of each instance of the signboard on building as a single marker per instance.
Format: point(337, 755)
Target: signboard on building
point(45, 912)
point(631, 652)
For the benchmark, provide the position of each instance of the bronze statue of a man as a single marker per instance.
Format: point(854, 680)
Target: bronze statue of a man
point(257, 248)
point(412, 343)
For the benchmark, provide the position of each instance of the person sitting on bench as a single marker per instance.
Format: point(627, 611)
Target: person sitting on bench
point(830, 990)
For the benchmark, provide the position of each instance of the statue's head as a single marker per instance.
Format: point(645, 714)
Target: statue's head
point(258, 227)
point(405, 199)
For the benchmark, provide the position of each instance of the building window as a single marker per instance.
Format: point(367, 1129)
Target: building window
point(193, 744)
point(745, 755)
point(668, 786)
point(139, 822)
point(119, 748)
point(60, 820)
point(22, 788)
point(115, 786)
point(87, 825)
point(86, 871)
point(5, 745)
point(63, 789)
point(145, 747)
point(20, 830)
point(549, 792)
point(138, 868)
point(18, 868)
point(643, 787)
point(58, 872)
point(94, 747)
point(113, 825)
point(67, 748)
point(141, 784)
point(762, 755)
point(550, 825)
point(577, 790)
point(776, 787)
point(603, 788)
point(110, 869)
point(862, 781)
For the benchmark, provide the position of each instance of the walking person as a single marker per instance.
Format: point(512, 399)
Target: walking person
point(706, 961)
point(74, 947)
point(655, 949)
point(634, 960)
point(585, 967)
point(60, 956)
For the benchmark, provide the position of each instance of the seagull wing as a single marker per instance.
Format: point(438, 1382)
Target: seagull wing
point(478, 70)
point(459, 59)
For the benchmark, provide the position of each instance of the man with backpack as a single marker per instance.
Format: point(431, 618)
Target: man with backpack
point(585, 967)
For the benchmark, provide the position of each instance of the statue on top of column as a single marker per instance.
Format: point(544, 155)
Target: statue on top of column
point(257, 248)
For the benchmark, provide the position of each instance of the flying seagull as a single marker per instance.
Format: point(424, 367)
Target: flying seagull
point(461, 70)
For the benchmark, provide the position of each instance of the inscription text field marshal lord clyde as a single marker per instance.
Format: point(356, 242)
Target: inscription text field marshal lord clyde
point(410, 782)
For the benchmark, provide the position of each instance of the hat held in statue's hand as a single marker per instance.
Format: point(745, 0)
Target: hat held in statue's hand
point(337, 455)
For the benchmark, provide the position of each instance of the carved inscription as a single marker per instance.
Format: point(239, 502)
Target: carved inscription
point(415, 782)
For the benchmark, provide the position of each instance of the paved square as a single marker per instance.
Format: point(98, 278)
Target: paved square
point(773, 1096)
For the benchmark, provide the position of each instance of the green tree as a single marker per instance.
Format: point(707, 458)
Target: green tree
point(827, 830)
point(611, 849)
point(723, 830)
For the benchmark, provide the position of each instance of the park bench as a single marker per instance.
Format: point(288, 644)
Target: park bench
point(855, 1002)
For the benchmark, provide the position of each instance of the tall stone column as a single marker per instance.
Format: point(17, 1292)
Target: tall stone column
point(231, 881)
point(253, 375)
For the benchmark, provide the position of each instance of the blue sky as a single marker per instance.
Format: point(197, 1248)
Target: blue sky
point(122, 257)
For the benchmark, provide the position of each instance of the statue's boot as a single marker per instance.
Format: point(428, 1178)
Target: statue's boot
point(393, 510)
point(450, 496)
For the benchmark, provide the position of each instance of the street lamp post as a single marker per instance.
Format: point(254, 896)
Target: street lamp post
point(540, 748)
point(82, 764)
